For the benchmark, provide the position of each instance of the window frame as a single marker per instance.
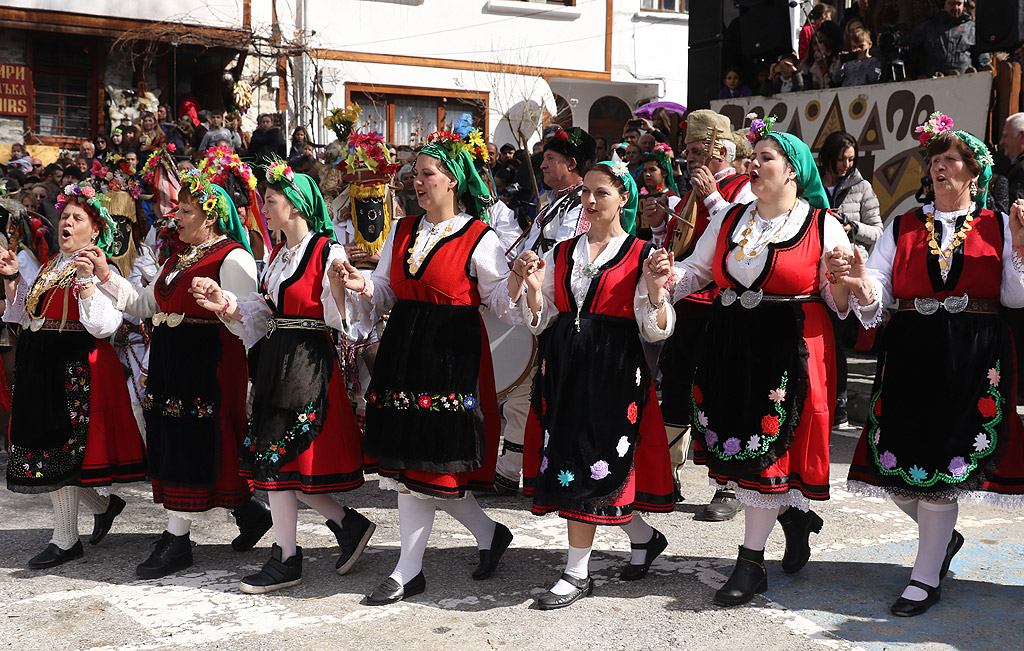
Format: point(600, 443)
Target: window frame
point(377, 94)
point(683, 7)
point(88, 71)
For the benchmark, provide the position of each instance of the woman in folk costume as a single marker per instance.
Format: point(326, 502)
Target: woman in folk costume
point(763, 391)
point(432, 414)
point(949, 267)
point(71, 427)
point(196, 389)
point(303, 441)
point(604, 452)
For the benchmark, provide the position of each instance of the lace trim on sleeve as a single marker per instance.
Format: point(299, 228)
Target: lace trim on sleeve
point(864, 312)
point(683, 286)
point(830, 301)
point(119, 289)
point(1017, 260)
point(98, 315)
point(255, 312)
point(15, 312)
point(651, 318)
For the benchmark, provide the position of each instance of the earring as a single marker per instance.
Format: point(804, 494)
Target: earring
point(974, 188)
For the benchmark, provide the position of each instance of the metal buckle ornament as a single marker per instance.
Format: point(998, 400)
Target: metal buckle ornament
point(750, 299)
point(271, 326)
point(955, 304)
point(926, 306)
point(728, 297)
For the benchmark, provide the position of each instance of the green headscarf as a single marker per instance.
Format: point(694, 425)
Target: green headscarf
point(227, 218)
point(459, 161)
point(628, 218)
point(807, 180)
point(984, 157)
point(304, 194)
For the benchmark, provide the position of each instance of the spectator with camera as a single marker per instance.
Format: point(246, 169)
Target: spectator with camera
point(946, 44)
point(857, 67)
point(784, 77)
point(818, 65)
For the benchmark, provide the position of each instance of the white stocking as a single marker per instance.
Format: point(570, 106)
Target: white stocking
point(577, 565)
point(468, 512)
point(757, 526)
point(177, 525)
point(65, 517)
point(907, 506)
point(935, 522)
point(415, 520)
point(93, 501)
point(639, 532)
point(325, 505)
point(284, 509)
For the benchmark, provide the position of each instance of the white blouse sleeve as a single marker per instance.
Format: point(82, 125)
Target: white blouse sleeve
point(126, 297)
point(15, 310)
point(835, 236)
point(255, 313)
point(97, 312)
point(537, 322)
point(879, 271)
point(1011, 288)
point(695, 272)
point(237, 277)
point(647, 315)
point(332, 314)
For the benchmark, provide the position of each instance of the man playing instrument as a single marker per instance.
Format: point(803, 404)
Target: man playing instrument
point(717, 185)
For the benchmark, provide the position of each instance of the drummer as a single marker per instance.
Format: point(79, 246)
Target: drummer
point(567, 155)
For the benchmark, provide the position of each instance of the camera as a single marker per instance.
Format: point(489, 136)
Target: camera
point(891, 43)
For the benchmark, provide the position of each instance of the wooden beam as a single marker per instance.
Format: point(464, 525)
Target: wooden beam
point(450, 64)
point(608, 26)
point(64, 22)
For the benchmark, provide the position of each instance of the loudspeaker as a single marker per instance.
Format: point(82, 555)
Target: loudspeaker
point(999, 25)
point(765, 28)
point(704, 74)
point(710, 18)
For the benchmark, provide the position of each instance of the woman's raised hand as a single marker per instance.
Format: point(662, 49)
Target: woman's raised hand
point(8, 262)
point(530, 267)
point(1017, 222)
point(208, 294)
point(98, 259)
point(84, 267)
point(658, 270)
point(341, 271)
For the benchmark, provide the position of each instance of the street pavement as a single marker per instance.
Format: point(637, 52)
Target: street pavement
point(860, 564)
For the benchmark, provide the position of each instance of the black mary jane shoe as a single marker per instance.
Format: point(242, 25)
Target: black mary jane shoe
point(748, 578)
point(798, 525)
point(909, 608)
point(956, 541)
point(489, 558)
point(723, 506)
point(103, 521)
point(352, 536)
point(276, 574)
point(53, 556)
point(551, 601)
point(254, 521)
point(390, 591)
point(654, 547)
point(172, 554)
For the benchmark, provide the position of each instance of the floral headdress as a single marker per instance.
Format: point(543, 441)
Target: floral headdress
point(215, 202)
point(457, 156)
point(621, 170)
point(85, 193)
point(759, 128)
point(663, 152)
point(159, 157)
point(573, 136)
point(116, 175)
point(302, 191)
point(939, 123)
point(341, 120)
point(280, 172)
point(366, 151)
point(221, 161)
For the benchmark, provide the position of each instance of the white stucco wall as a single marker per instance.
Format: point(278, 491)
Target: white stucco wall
point(213, 13)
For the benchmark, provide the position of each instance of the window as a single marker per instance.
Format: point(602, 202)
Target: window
point(406, 116)
point(564, 3)
point(63, 79)
point(666, 5)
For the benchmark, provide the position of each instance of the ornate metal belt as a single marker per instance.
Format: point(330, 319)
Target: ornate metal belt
point(952, 304)
point(295, 324)
point(55, 324)
point(751, 298)
point(174, 320)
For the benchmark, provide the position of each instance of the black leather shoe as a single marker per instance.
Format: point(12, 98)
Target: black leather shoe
point(390, 591)
point(254, 520)
point(103, 521)
point(677, 491)
point(908, 608)
point(724, 506)
point(654, 547)
point(748, 578)
point(489, 558)
point(352, 535)
point(276, 574)
point(53, 556)
point(956, 541)
point(172, 554)
point(798, 525)
point(552, 601)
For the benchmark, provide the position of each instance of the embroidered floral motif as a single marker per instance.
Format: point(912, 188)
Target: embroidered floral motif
point(304, 420)
point(599, 470)
point(623, 446)
point(176, 408)
point(59, 461)
point(631, 413)
point(744, 447)
point(565, 477)
point(454, 402)
point(990, 406)
point(543, 464)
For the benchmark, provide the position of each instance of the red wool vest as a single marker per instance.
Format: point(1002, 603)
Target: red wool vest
point(613, 290)
point(977, 266)
point(299, 295)
point(443, 277)
point(792, 267)
point(175, 297)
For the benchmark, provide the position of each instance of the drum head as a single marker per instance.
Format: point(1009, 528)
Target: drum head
point(513, 353)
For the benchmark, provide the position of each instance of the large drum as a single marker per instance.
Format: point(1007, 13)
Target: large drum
point(513, 353)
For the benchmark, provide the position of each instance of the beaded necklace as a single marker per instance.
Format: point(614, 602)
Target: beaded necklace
point(194, 253)
point(759, 247)
point(416, 260)
point(958, 237)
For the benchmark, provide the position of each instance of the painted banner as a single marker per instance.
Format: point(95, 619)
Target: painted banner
point(881, 118)
point(15, 89)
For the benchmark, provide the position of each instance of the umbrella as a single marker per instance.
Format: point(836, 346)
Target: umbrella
point(647, 110)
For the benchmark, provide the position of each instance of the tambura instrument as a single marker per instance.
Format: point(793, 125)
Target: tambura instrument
point(513, 353)
point(686, 225)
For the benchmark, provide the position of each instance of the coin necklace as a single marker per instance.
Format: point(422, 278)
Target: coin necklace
point(415, 260)
point(50, 278)
point(944, 255)
point(758, 248)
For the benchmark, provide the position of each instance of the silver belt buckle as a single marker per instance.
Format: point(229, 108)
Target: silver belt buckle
point(751, 299)
point(956, 304)
point(271, 326)
point(728, 297)
point(926, 306)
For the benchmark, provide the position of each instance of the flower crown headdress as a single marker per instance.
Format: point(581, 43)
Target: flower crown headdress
point(759, 128)
point(83, 193)
point(160, 157)
point(450, 142)
point(366, 150)
point(221, 161)
point(939, 123)
point(663, 149)
point(201, 188)
point(281, 172)
point(115, 175)
point(620, 169)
